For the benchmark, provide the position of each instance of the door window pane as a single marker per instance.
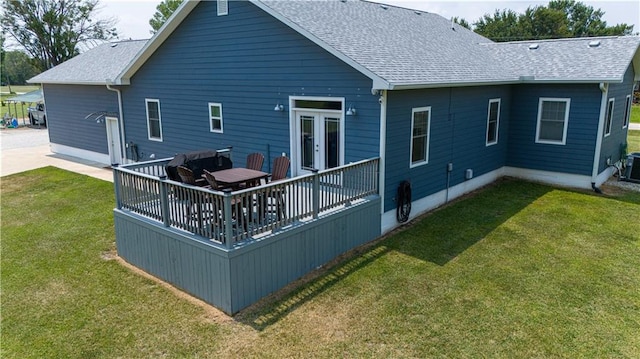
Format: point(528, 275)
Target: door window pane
point(306, 141)
point(332, 142)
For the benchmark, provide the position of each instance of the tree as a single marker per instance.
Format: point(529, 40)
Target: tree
point(559, 19)
point(164, 10)
point(51, 31)
point(18, 68)
point(462, 22)
point(502, 26)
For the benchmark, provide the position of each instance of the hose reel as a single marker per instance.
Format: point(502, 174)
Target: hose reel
point(403, 198)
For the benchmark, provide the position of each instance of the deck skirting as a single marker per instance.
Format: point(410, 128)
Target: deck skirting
point(232, 279)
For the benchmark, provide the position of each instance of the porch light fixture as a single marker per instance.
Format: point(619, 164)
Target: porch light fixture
point(351, 111)
point(279, 107)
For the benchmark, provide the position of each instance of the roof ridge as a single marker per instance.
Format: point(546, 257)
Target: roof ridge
point(564, 39)
point(395, 6)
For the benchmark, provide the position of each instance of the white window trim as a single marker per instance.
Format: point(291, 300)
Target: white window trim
point(627, 112)
point(211, 118)
point(608, 117)
point(223, 7)
point(428, 136)
point(493, 100)
point(566, 120)
point(146, 109)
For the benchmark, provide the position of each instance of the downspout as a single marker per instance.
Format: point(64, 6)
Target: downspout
point(121, 119)
point(383, 145)
point(604, 88)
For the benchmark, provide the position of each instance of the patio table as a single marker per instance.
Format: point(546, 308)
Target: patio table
point(234, 177)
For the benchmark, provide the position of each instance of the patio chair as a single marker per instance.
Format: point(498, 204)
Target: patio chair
point(211, 180)
point(280, 168)
point(237, 206)
point(255, 161)
point(187, 177)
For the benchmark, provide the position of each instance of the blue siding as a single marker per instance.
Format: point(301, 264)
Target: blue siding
point(248, 61)
point(67, 106)
point(576, 156)
point(611, 145)
point(458, 135)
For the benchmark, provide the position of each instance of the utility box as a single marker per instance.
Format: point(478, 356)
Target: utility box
point(632, 173)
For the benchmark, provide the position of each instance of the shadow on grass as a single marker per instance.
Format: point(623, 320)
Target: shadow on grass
point(444, 234)
point(437, 237)
point(271, 309)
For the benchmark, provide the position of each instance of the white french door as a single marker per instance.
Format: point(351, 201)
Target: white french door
point(319, 140)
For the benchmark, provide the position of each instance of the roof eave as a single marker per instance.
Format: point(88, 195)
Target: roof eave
point(522, 80)
point(61, 82)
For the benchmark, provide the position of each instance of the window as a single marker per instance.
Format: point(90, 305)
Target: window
point(627, 112)
point(215, 117)
point(553, 120)
point(493, 121)
point(154, 121)
point(608, 117)
point(223, 7)
point(420, 121)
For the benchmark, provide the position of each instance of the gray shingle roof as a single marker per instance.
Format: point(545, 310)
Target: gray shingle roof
point(396, 47)
point(568, 60)
point(93, 67)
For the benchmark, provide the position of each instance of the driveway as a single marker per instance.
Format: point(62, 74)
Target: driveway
point(24, 148)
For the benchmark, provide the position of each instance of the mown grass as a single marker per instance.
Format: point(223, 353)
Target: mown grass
point(633, 141)
point(635, 114)
point(516, 270)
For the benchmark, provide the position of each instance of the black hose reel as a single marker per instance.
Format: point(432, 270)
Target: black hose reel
point(403, 200)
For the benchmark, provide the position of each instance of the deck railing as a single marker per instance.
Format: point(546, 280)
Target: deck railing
point(144, 189)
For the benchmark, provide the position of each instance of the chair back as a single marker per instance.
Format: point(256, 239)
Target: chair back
point(254, 161)
point(211, 180)
point(280, 168)
point(186, 175)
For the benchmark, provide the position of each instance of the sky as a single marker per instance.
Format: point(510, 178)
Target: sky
point(133, 15)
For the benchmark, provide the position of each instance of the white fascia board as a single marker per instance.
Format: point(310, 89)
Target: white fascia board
point(158, 39)
point(378, 82)
point(416, 86)
point(573, 81)
point(61, 82)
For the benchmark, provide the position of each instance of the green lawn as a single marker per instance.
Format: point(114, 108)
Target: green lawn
point(635, 114)
point(518, 270)
point(633, 141)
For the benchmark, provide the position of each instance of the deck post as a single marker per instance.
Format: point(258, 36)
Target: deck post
point(316, 194)
point(164, 201)
point(227, 219)
point(116, 186)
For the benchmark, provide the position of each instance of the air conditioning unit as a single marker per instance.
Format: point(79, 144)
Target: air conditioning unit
point(632, 173)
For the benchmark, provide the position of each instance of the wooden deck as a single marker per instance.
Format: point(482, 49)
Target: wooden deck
point(232, 248)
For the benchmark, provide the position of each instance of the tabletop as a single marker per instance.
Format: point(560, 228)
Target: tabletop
point(235, 176)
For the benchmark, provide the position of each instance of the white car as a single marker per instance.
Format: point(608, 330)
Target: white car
point(37, 115)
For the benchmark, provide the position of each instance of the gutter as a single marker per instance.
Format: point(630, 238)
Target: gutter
point(120, 120)
point(383, 147)
point(604, 88)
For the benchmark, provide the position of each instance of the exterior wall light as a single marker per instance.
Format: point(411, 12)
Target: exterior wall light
point(279, 107)
point(351, 111)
